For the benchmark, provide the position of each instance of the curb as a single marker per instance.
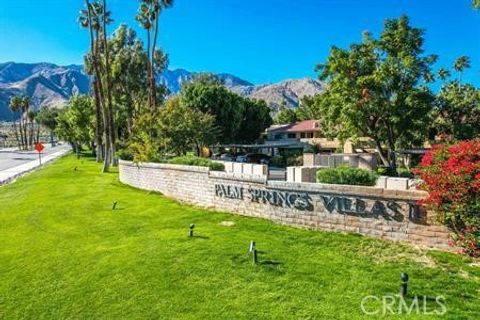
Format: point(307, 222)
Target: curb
point(29, 167)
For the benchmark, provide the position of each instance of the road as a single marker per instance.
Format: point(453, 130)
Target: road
point(10, 158)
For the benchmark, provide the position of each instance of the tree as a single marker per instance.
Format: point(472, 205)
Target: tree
point(21, 104)
point(309, 108)
point(76, 123)
point(460, 64)
point(457, 106)
point(16, 107)
point(182, 129)
point(47, 117)
point(285, 115)
point(256, 119)
point(458, 109)
point(96, 17)
point(476, 4)
point(443, 74)
point(375, 89)
point(237, 119)
point(148, 16)
point(89, 18)
point(227, 107)
point(128, 69)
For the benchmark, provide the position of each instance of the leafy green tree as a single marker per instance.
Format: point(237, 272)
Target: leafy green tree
point(227, 107)
point(285, 115)
point(375, 89)
point(182, 129)
point(256, 119)
point(76, 122)
point(237, 119)
point(48, 117)
point(458, 111)
point(128, 69)
point(457, 106)
point(476, 4)
point(309, 108)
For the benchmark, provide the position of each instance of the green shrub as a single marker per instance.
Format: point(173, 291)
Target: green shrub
point(124, 154)
point(347, 175)
point(405, 173)
point(196, 161)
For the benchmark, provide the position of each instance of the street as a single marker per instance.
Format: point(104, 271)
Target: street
point(10, 158)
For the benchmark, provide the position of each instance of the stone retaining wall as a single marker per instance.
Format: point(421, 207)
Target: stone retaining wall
point(372, 211)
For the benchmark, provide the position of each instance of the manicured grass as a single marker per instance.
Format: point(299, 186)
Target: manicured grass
point(65, 254)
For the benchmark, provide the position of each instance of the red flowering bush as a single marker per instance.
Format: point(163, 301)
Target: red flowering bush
point(451, 175)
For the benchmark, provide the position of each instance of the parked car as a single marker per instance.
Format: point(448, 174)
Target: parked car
point(241, 158)
point(259, 158)
point(226, 157)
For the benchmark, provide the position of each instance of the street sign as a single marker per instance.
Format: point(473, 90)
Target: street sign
point(39, 147)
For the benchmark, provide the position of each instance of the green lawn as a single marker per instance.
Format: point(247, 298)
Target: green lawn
point(65, 254)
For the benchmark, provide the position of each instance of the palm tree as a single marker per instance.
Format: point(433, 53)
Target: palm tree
point(443, 74)
point(95, 18)
point(148, 16)
point(476, 4)
point(25, 107)
point(31, 117)
point(460, 64)
point(16, 106)
point(88, 20)
point(105, 19)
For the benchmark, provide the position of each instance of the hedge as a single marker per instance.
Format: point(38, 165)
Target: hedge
point(347, 175)
point(197, 161)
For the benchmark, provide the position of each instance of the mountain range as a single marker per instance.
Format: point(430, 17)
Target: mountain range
point(52, 85)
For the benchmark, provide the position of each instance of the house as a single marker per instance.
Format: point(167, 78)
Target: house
point(307, 133)
point(310, 133)
point(307, 129)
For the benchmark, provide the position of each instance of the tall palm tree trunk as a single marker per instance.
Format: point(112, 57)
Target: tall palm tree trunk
point(25, 136)
point(111, 120)
point(149, 71)
point(98, 126)
point(15, 131)
point(99, 96)
point(98, 108)
point(152, 64)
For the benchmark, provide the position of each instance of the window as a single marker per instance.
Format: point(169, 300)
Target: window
point(278, 136)
point(291, 136)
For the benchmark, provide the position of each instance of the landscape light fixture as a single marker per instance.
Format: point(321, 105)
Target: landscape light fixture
point(114, 205)
point(404, 285)
point(190, 231)
point(253, 250)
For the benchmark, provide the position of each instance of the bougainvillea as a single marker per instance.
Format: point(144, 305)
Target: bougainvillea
point(451, 175)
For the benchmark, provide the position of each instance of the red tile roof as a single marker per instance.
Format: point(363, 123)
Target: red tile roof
point(303, 126)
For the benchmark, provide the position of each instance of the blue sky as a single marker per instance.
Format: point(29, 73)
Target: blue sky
point(259, 40)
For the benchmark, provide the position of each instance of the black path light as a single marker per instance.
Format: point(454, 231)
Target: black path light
point(114, 205)
point(404, 285)
point(253, 250)
point(190, 231)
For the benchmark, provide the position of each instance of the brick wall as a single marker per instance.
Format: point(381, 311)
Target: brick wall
point(372, 211)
